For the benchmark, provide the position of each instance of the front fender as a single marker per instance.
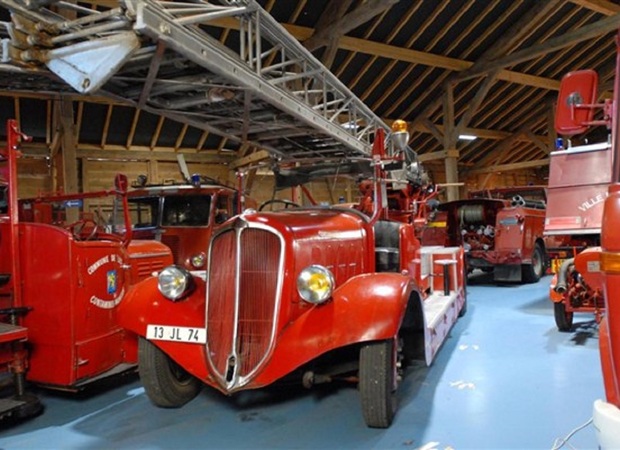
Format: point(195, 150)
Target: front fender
point(367, 307)
point(144, 305)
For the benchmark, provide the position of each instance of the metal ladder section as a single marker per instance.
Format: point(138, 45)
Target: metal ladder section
point(263, 88)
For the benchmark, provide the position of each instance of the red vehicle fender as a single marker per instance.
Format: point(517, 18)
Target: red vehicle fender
point(554, 296)
point(611, 390)
point(587, 264)
point(367, 307)
point(144, 305)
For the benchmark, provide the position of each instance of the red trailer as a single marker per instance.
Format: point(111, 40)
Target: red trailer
point(70, 271)
point(316, 294)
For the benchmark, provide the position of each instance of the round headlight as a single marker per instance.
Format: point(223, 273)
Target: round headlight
point(198, 261)
point(175, 282)
point(315, 284)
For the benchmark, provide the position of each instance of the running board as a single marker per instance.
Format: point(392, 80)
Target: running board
point(440, 314)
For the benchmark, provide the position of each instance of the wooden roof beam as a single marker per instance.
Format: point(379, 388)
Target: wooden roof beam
point(584, 33)
point(407, 55)
point(509, 167)
point(341, 23)
point(600, 6)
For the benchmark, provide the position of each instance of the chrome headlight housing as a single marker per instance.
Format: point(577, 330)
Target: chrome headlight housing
point(174, 282)
point(198, 260)
point(315, 284)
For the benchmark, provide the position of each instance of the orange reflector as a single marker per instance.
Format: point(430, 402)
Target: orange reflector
point(610, 262)
point(399, 125)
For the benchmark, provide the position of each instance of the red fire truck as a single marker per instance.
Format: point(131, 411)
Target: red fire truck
point(182, 216)
point(576, 197)
point(320, 293)
point(65, 273)
point(500, 229)
point(598, 268)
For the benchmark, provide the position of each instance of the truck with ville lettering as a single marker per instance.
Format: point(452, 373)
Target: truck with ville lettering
point(575, 198)
point(312, 294)
point(63, 274)
point(596, 267)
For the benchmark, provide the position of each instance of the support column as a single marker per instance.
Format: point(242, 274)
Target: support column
point(449, 145)
point(68, 147)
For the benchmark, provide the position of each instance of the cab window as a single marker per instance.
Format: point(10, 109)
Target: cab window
point(186, 210)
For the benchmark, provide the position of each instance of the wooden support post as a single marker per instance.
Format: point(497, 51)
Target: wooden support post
point(449, 144)
point(68, 147)
point(69, 153)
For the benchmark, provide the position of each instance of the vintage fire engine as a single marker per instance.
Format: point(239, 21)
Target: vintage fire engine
point(70, 272)
point(500, 229)
point(576, 197)
point(13, 336)
point(251, 325)
point(599, 267)
point(183, 216)
point(320, 293)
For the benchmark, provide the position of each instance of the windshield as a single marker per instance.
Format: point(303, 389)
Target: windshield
point(144, 211)
point(178, 211)
point(186, 210)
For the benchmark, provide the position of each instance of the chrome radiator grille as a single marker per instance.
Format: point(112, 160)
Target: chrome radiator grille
point(242, 301)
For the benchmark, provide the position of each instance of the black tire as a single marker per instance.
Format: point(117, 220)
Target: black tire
point(377, 383)
point(463, 310)
point(166, 383)
point(563, 318)
point(534, 271)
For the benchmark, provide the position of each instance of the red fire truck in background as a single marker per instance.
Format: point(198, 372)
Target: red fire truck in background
point(183, 216)
point(320, 293)
point(500, 229)
point(598, 267)
point(579, 176)
point(64, 273)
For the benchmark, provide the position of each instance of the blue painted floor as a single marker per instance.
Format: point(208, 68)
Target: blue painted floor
point(506, 379)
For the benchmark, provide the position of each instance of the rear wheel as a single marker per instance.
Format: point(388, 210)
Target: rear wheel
point(534, 271)
point(563, 318)
point(378, 382)
point(166, 383)
point(464, 307)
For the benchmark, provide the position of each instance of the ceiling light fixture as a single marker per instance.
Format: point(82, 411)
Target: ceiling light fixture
point(468, 137)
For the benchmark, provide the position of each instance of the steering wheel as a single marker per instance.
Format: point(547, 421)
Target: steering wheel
point(286, 203)
point(83, 229)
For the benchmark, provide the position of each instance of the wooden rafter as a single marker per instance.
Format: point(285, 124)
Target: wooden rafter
point(393, 33)
point(338, 22)
point(600, 6)
point(587, 32)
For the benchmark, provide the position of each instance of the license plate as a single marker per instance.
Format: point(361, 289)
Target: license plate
point(176, 334)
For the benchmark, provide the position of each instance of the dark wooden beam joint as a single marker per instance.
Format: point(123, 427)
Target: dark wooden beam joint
point(341, 24)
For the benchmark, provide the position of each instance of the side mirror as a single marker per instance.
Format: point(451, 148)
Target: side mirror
point(577, 94)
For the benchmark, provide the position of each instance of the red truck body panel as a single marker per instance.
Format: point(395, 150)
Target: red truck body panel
point(68, 279)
